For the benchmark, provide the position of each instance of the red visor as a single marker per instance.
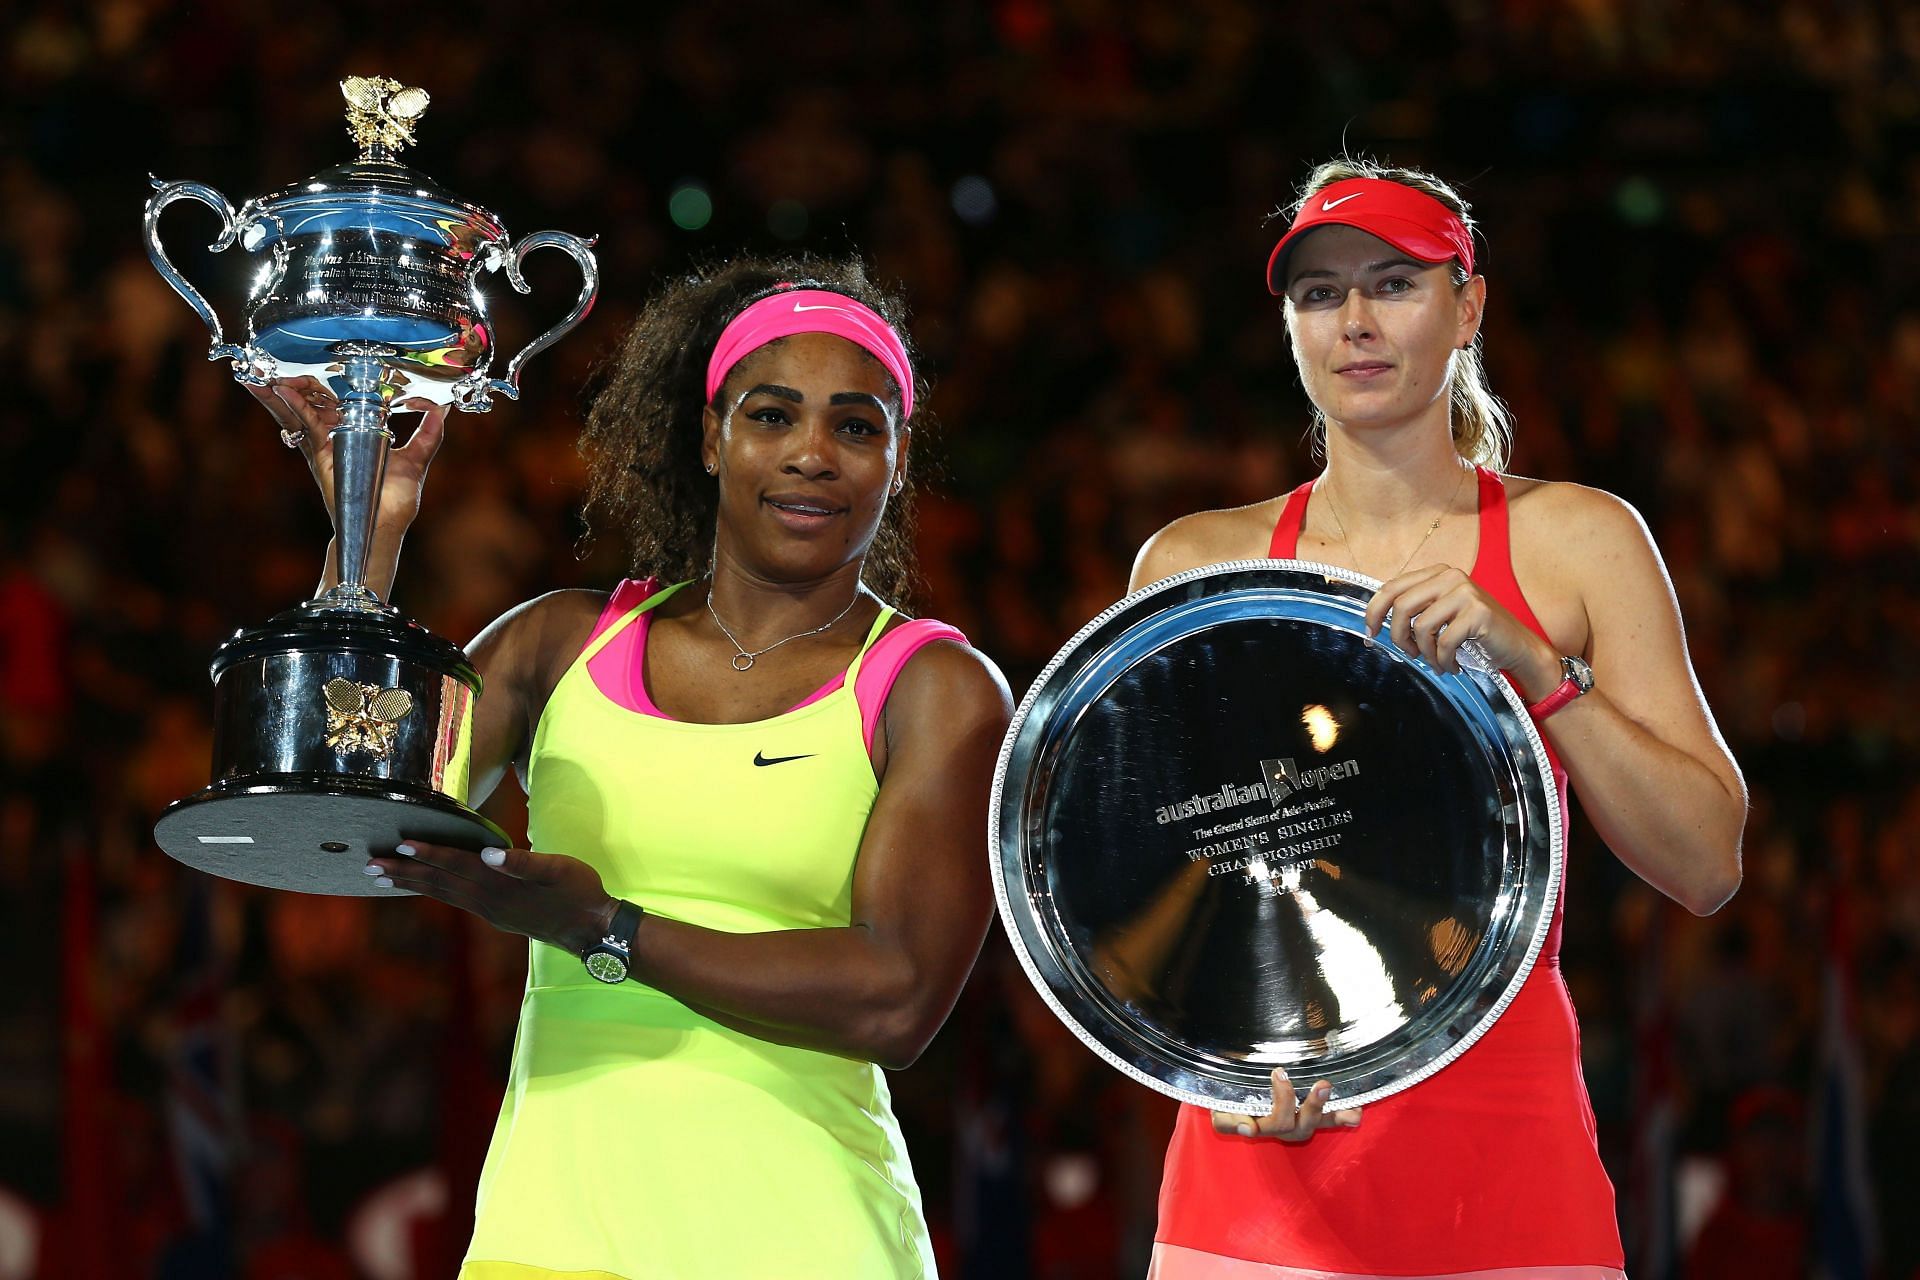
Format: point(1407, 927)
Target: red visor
point(1411, 221)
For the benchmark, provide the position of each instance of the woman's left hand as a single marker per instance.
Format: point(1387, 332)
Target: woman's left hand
point(546, 896)
point(1437, 609)
point(1291, 1119)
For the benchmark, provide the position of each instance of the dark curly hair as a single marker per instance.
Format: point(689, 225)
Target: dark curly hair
point(645, 478)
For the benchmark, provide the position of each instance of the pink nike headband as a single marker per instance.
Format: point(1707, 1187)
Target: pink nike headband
point(1411, 221)
point(796, 310)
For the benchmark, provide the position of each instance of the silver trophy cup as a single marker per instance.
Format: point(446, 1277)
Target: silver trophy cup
point(341, 726)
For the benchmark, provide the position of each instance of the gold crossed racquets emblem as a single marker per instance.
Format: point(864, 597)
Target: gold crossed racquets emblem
point(363, 717)
point(382, 112)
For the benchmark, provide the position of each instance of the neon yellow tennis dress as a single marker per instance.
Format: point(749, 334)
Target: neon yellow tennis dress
point(637, 1138)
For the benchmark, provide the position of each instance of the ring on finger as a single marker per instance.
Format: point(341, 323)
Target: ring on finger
point(293, 437)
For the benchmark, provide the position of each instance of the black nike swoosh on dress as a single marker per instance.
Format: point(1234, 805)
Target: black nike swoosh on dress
point(763, 760)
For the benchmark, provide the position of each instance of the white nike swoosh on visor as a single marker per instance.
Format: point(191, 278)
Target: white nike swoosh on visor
point(824, 306)
point(1327, 206)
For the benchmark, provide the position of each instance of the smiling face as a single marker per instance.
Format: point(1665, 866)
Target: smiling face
point(1374, 330)
point(808, 446)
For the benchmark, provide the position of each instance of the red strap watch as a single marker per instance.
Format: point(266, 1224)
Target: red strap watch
point(1579, 679)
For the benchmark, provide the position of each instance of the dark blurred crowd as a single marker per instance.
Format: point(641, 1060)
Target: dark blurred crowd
point(1701, 239)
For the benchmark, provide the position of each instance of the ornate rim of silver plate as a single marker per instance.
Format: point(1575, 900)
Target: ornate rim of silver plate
point(1134, 1052)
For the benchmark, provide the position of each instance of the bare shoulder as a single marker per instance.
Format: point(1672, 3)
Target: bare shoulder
point(1588, 563)
point(532, 642)
point(555, 613)
point(1573, 523)
point(1207, 537)
point(951, 688)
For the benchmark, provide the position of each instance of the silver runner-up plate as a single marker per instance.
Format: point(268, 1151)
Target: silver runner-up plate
point(1233, 832)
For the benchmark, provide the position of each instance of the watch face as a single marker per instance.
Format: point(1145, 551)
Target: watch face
point(1579, 672)
point(606, 966)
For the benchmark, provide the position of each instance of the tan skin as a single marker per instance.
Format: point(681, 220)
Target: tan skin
point(812, 424)
point(1371, 333)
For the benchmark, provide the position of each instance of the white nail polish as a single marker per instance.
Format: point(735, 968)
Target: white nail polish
point(494, 857)
point(385, 882)
point(372, 870)
point(404, 850)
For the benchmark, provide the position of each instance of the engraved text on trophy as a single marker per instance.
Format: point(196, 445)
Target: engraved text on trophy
point(1271, 839)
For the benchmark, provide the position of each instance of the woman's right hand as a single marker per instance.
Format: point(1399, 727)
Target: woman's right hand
point(307, 412)
point(1289, 1121)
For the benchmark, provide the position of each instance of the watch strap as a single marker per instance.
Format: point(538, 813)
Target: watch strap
point(625, 923)
point(1566, 691)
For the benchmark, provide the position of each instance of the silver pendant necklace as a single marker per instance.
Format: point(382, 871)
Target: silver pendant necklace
point(742, 659)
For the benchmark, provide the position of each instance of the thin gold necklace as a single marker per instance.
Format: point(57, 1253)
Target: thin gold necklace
point(742, 659)
point(1341, 525)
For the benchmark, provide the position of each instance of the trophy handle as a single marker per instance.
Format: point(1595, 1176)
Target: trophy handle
point(472, 393)
point(165, 193)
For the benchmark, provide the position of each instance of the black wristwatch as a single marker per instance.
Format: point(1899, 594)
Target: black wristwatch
point(609, 959)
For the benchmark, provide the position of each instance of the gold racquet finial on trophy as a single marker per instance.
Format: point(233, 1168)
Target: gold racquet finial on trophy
point(381, 113)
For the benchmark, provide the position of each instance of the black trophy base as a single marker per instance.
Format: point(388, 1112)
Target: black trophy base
point(313, 835)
